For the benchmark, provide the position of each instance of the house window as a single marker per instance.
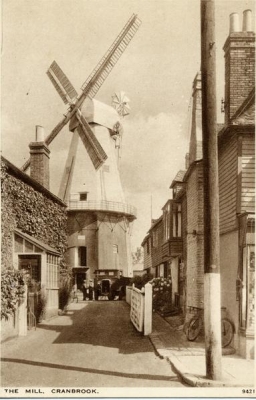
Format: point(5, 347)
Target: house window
point(148, 246)
point(251, 288)
point(166, 220)
point(115, 248)
point(52, 274)
point(83, 196)
point(31, 264)
point(155, 238)
point(82, 256)
point(161, 271)
point(18, 244)
point(177, 220)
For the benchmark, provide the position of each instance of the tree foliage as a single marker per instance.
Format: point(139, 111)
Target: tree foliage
point(140, 281)
point(162, 293)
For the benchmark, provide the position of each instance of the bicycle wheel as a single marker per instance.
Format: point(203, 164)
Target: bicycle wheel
point(227, 332)
point(194, 328)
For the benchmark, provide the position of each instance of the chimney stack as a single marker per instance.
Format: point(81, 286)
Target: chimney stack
point(239, 63)
point(39, 158)
point(195, 143)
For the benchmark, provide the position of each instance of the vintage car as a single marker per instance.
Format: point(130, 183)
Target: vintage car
point(109, 284)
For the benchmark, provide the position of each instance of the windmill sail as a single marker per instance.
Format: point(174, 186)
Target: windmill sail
point(91, 85)
point(61, 83)
point(91, 143)
point(106, 64)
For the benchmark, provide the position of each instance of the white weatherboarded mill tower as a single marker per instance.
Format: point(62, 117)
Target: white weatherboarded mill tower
point(98, 217)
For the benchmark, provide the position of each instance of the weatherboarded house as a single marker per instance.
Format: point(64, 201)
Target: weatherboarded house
point(236, 143)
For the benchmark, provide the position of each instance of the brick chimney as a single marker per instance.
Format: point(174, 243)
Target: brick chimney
point(39, 158)
point(239, 63)
point(195, 144)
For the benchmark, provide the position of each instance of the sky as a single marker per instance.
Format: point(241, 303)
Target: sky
point(156, 72)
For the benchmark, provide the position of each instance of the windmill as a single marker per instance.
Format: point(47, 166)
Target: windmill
point(99, 219)
point(89, 89)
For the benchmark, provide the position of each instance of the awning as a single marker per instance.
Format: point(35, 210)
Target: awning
point(78, 270)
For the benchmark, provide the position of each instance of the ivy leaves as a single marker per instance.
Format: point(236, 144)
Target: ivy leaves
point(31, 211)
point(12, 289)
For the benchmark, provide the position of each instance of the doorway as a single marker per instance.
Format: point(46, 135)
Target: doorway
point(31, 264)
point(79, 279)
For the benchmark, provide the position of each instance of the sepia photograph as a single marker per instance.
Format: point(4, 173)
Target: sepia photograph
point(127, 199)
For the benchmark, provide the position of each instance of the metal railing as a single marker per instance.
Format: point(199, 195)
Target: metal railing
point(103, 205)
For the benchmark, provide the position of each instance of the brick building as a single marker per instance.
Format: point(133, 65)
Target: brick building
point(34, 231)
point(236, 159)
point(236, 164)
point(163, 246)
point(236, 144)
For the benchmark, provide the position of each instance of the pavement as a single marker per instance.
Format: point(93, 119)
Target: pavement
point(92, 345)
point(188, 358)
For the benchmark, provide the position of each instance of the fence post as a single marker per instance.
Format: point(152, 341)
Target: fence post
point(148, 309)
point(22, 313)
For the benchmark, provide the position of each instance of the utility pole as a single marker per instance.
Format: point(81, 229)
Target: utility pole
point(212, 304)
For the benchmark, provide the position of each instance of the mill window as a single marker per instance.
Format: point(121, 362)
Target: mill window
point(83, 196)
point(82, 256)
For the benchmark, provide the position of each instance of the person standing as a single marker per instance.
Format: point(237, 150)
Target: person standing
point(91, 290)
point(84, 289)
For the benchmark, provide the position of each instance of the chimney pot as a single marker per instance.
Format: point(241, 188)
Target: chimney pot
point(39, 133)
point(234, 23)
point(247, 21)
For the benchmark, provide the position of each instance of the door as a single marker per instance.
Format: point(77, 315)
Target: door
point(31, 264)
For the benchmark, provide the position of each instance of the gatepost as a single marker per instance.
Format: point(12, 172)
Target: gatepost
point(148, 309)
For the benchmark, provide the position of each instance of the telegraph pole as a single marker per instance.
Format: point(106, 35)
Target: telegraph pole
point(212, 304)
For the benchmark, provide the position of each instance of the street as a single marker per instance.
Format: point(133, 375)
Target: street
point(93, 345)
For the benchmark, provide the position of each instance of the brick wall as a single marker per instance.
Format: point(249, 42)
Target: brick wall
point(239, 70)
point(39, 167)
point(194, 244)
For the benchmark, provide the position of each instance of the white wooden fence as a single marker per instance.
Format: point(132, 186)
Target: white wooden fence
point(141, 307)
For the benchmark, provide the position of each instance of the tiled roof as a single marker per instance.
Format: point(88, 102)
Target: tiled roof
point(245, 115)
point(179, 177)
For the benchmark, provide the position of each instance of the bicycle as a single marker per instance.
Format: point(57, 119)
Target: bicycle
point(195, 326)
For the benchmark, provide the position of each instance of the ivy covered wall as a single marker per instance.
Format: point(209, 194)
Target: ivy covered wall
point(29, 207)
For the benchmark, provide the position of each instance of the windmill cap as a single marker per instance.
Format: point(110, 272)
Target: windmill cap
point(99, 113)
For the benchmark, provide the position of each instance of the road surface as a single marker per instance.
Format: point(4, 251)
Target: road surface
point(93, 345)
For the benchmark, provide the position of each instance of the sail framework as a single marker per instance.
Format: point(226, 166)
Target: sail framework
point(61, 83)
point(106, 64)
